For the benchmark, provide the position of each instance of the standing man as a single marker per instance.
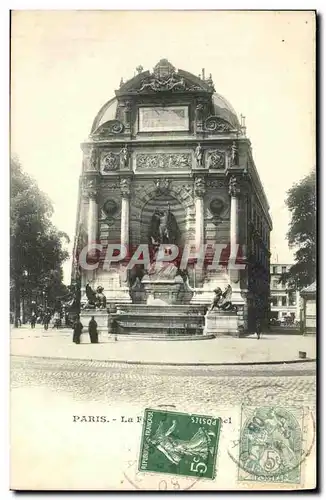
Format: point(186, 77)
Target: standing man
point(92, 330)
point(33, 320)
point(77, 329)
point(258, 328)
point(46, 320)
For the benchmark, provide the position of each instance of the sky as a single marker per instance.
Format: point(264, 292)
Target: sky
point(66, 64)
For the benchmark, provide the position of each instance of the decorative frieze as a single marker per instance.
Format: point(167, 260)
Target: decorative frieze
point(163, 161)
point(215, 183)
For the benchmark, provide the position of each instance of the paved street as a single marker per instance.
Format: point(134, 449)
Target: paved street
point(57, 405)
point(58, 344)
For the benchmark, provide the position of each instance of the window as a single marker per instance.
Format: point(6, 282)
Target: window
point(283, 301)
point(283, 269)
point(274, 301)
point(292, 299)
point(274, 269)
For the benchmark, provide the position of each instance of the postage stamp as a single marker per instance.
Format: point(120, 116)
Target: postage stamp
point(271, 444)
point(179, 443)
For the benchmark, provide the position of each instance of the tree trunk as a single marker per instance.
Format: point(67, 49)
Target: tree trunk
point(17, 303)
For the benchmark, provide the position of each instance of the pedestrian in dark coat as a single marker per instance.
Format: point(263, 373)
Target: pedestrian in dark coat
point(78, 328)
point(92, 330)
point(258, 328)
point(33, 320)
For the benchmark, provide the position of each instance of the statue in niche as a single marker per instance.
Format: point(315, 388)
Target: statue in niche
point(222, 300)
point(124, 157)
point(199, 155)
point(163, 228)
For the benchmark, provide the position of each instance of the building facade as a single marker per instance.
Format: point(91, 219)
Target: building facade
point(308, 295)
point(285, 302)
point(168, 143)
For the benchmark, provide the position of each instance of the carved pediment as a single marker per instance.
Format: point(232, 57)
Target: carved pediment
point(218, 125)
point(112, 127)
point(165, 78)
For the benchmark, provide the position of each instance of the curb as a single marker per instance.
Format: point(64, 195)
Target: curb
point(163, 363)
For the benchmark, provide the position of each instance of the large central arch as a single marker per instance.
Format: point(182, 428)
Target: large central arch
point(146, 198)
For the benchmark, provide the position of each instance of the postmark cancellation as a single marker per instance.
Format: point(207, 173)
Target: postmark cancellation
point(272, 445)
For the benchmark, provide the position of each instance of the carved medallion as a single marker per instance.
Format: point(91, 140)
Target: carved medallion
point(110, 208)
point(163, 161)
point(110, 162)
point(216, 159)
point(217, 206)
point(162, 186)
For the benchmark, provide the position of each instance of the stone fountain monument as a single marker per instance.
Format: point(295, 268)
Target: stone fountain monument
point(167, 165)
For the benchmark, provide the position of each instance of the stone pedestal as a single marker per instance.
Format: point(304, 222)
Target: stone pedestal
point(101, 318)
point(223, 323)
point(163, 292)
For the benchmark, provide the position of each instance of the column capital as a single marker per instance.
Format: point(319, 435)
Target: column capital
point(90, 187)
point(234, 186)
point(199, 186)
point(125, 187)
point(90, 158)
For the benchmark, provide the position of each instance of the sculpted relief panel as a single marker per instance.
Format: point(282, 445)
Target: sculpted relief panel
point(215, 159)
point(163, 161)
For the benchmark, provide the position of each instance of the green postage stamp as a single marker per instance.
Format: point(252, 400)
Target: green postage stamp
point(271, 444)
point(179, 443)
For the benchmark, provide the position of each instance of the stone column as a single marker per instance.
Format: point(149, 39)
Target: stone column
point(199, 190)
point(92, 217)
point(234, 192)
point(124, 295)
point(125, 211)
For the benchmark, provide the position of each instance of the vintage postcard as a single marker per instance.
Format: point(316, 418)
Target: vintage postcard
point(163, 250)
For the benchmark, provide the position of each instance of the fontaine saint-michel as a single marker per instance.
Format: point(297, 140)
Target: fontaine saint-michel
point(168, 176)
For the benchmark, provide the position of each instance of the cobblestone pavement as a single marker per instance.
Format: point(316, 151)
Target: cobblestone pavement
point(98, 380)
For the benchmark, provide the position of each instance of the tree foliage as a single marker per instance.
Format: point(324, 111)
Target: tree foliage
point(301, 201)
point(37, 250)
